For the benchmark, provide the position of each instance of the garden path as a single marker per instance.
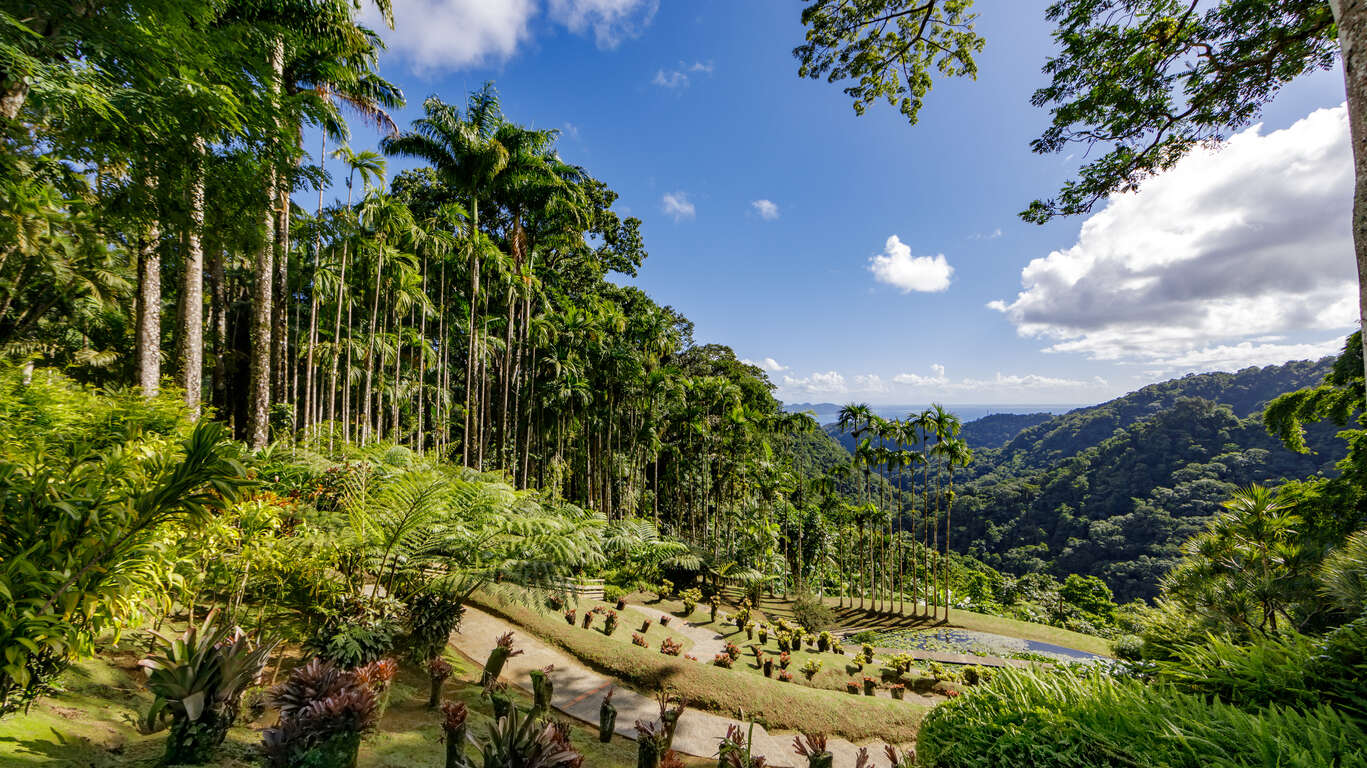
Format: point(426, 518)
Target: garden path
point(579, 691)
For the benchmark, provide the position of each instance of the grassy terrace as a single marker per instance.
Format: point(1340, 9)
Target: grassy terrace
point(89, 724)
point(961, 619)
point(734, 693)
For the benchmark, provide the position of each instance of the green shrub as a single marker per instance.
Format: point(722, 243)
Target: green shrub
point(864, 637)
point(1291, 670)
point(812, 613)
point(430, 617)
point(612, 593)
point(691, 598)
point(1070, 719)
point(89, 485)
point(351, 643)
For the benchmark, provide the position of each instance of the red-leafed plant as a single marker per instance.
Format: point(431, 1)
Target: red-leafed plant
point(324, 711)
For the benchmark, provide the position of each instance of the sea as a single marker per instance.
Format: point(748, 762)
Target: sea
point(826, 413)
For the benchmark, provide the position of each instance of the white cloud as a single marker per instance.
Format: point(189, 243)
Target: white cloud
point(897, 267)
point(676, 204)
point(1207, 260)
point(570, 130)
point(767, 209)
point(674, 79)
point(937, 379)
point(436, 35)
point(914, 387)
point(678, 77)
point(1028, 381)
point(993, 235)
point(828, 383)
point(611, 20)
point(769, 364)
point(869, 382)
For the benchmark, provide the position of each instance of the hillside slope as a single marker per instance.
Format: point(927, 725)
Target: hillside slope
point(1114, 489)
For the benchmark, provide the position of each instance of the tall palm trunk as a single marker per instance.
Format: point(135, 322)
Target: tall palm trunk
point(370, 351)
point(309, 390)
point(218, 307)
point(337, 339)
point(149, 298)
point(192, 286)
point(470, 348)
point(259, 400)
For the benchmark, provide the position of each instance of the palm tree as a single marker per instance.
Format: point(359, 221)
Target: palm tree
point(957, 454)
point(388, 220)
point(468, 157)
point(945, 426)
point(370, 167)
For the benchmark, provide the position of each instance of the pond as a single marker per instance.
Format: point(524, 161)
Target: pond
point(976, 644)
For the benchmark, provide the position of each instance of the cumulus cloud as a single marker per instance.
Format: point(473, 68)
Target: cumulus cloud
point(828, 383)
point(435, 35)
point(767, 209)
point(676, 204)
point(611, 20)
point(1196, 269)
point(678, 77)
point(1001, 387)
point(1028, 381)
point(769, 364)
point(869, 382)
point(897, 267)
point(936, 379)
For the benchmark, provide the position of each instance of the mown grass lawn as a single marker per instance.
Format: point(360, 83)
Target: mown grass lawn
point(733, 693)
point(89, 723)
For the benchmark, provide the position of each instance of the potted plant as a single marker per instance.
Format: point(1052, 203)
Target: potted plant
point(610, 623)
point(897, 690)
point(438, 670)
point(810, 669)
point(852, 686)
point(870, 685)
point(569, 617)
point(638, 639)
point(723, 660)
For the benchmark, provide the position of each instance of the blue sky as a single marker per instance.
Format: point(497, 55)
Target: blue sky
point(768, 205)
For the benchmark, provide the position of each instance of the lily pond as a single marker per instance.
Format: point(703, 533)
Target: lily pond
point(976, 644)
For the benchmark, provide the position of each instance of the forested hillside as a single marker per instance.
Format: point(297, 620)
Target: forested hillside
point(1114, 490)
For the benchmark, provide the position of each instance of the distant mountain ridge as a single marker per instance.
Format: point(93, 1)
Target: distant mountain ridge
point(1113, 489)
